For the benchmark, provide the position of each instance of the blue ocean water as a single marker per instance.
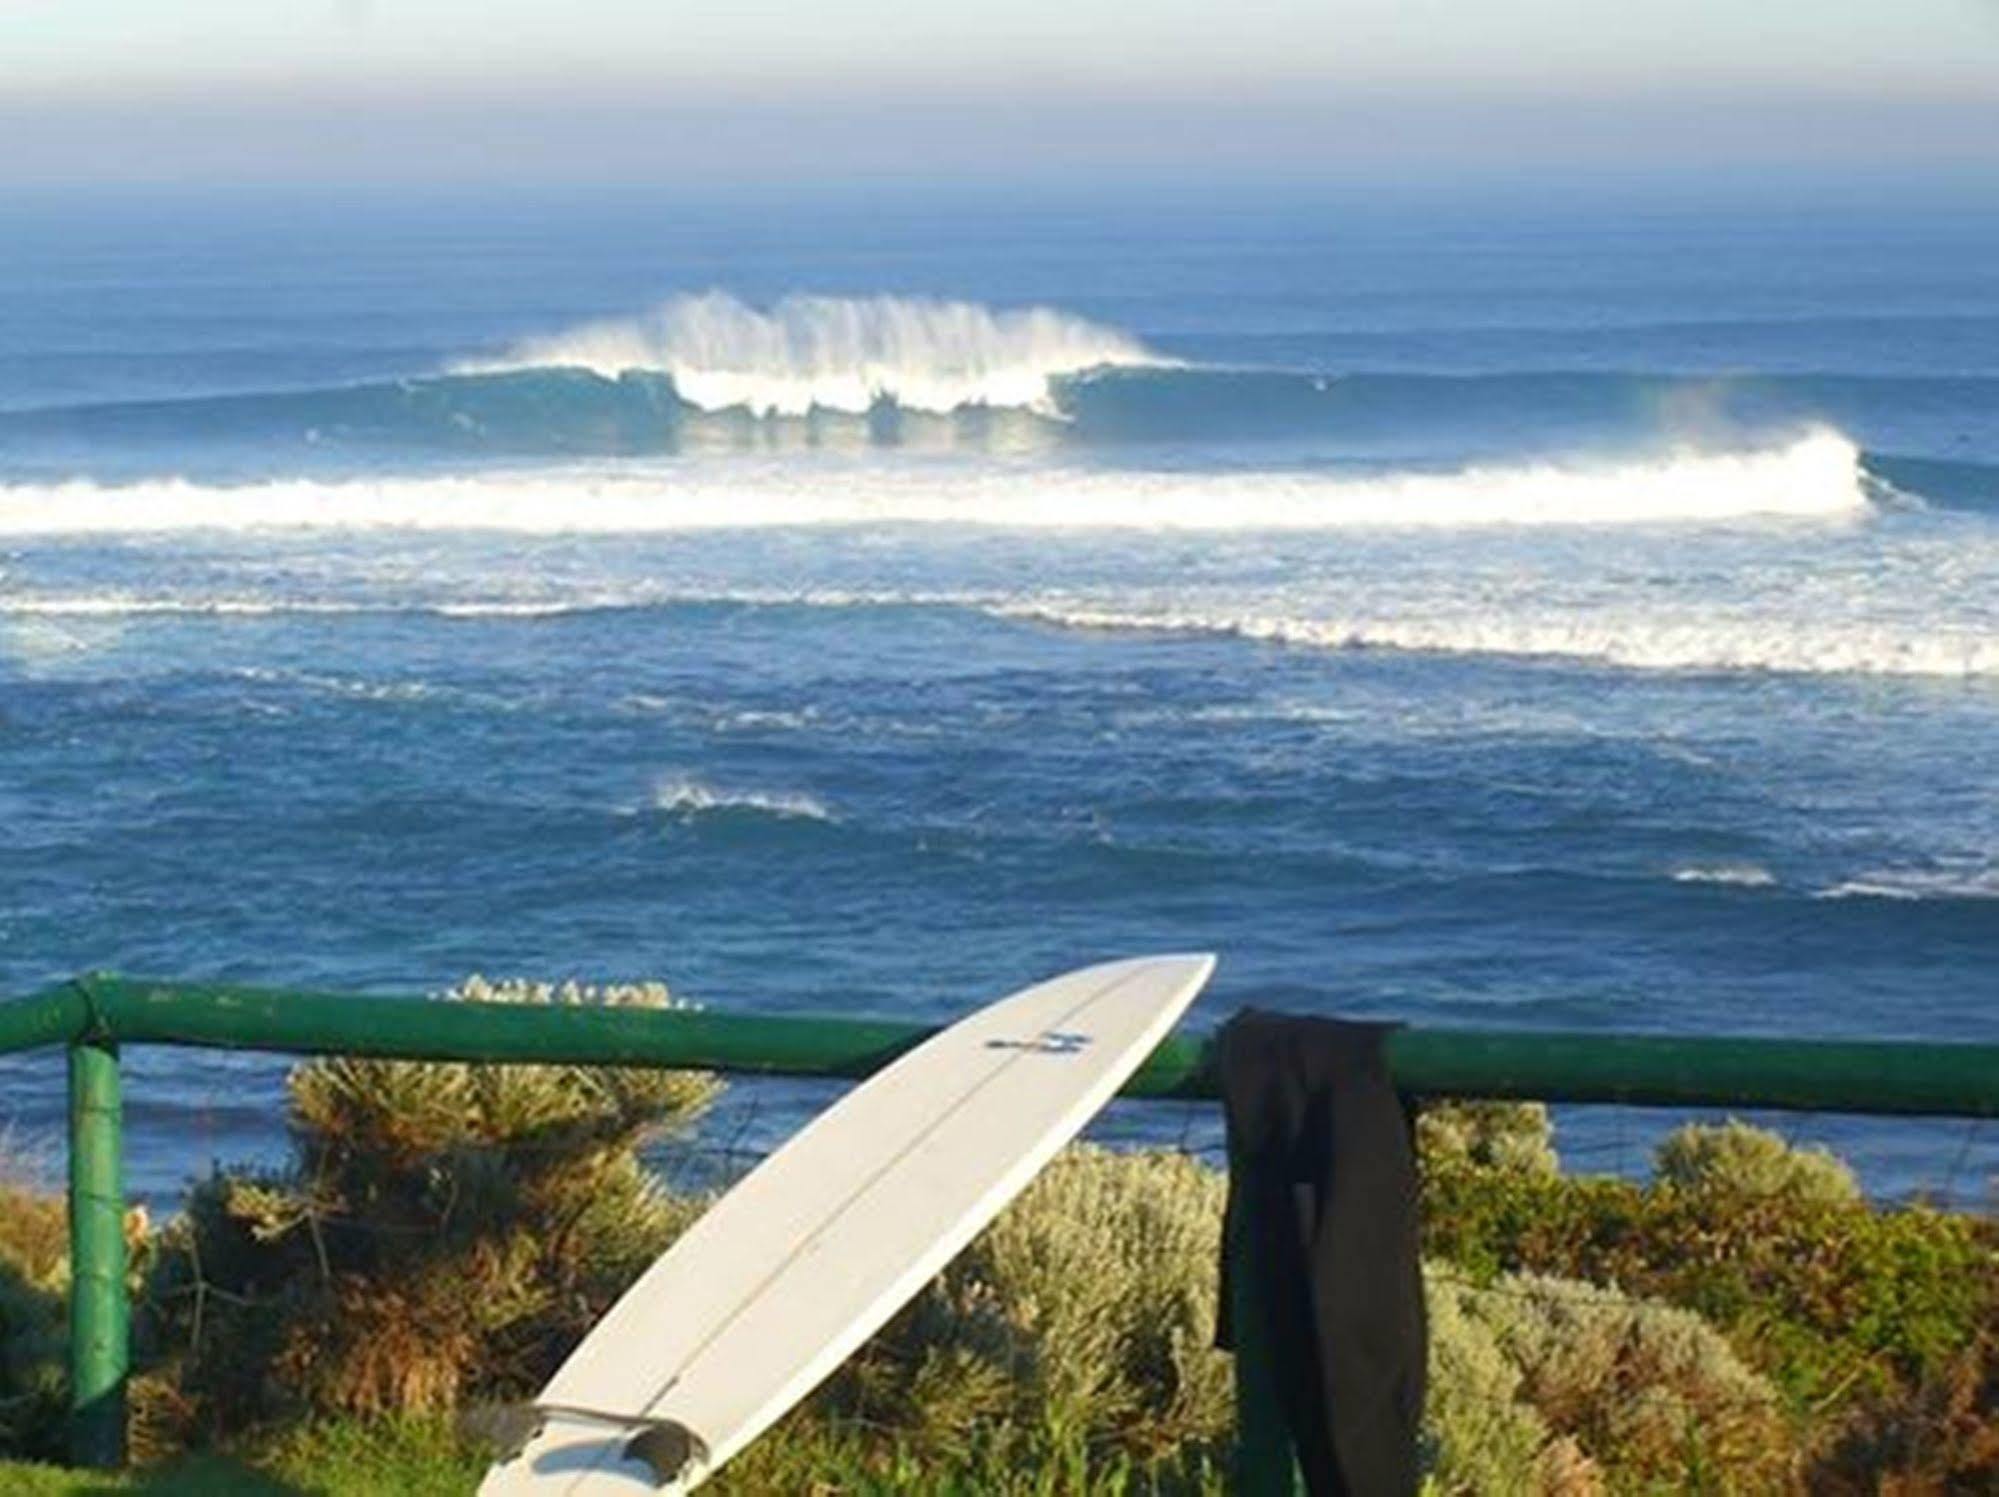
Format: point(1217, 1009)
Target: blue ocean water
point(1582, 614)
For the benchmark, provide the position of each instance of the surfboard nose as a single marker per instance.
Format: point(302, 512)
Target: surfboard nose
point(1189, 967)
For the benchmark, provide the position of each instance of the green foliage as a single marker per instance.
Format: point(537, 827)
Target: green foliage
point(34, 1285)
point(1512, 1136)
point(34, 1311)
point(814, 1453)
point(1736, 1159)
point(445, 1230)
point(1479, 1436)
point(197, 1476)
point(1855, 1314)
point(410, 1457)
point(1942, 1438)
point(1820, 1295)
point(1087, 1309)
point(1651, 1394)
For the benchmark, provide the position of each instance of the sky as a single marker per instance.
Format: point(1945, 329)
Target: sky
point(137, 90)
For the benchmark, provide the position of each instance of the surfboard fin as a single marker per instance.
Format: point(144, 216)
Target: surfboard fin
point(670, 1450)
point(508, 1427)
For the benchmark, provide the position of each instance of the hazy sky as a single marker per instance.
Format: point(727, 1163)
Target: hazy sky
point(137, 89)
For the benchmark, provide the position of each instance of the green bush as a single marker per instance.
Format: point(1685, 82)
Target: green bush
point(1479, 1436)
point(34, 1310)
point(1652, 1394)
point(34, 1289)
point(1879, 1327)
point(1942, 1438)
point(1087, 1307)
point(1829, 1299)
point(1736, 1159)
point(445, 1231)
point(1074, 1334)
point(1512, 1136)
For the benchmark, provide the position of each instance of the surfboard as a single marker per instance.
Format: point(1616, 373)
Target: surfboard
point(788, 1273)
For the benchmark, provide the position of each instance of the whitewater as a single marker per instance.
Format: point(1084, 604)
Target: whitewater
point(1453, 618)
point(807, 353)
point(1816, 476)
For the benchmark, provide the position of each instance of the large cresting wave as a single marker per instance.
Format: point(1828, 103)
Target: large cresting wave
point(1816, 476)
point(849, 354)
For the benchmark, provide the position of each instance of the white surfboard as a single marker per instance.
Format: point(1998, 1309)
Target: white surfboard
point(785, 1276)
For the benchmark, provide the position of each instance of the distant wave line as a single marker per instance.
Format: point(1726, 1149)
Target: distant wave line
point(1636, 643)
point(1817, 476)
point(542, 412)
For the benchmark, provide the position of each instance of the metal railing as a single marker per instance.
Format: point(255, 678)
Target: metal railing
point(94, 1016)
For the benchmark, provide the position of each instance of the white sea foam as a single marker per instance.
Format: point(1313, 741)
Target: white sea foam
point(356, 688)
point(828, 353)
point(1682, 634)
point(1962, 880)
point(1636, 642)
point(685, 796)
point(519, 609)
point(126, 605)
point(1815, 477)
point(122, 605)
point(1741, 875)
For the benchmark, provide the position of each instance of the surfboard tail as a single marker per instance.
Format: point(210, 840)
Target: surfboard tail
point(671, 1451)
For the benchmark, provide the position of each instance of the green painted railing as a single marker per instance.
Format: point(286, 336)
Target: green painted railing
point(94, 1016)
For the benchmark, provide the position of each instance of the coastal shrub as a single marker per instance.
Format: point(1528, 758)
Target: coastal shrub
point(1832, 1300)
point(1877, 1326)
point(34, 1311)
point(1088, 1306)
point(1074, 1336)
point(1512, 1136)
point(1942, 1438)
point(994, 1459)
point(444, 1230)
point(1069, 1349)
point(1735, 1159)
point(34, 1289)
point(1653, 1395)
point(1478, 1435)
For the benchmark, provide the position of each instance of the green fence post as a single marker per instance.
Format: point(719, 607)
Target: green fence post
point(99, 1313)
point(1264, 1464)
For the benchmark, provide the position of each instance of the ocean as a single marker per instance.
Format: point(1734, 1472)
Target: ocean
point(1575, 612)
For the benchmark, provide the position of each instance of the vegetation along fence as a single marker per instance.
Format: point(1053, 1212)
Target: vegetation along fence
point(94, 1016)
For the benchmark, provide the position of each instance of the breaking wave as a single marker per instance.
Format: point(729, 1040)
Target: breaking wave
point(1774, 643)
point(1638, 642)
point(1006, 383)
point(1817, 476)
point(849, 354)
point(687, 798)
point(1962, 880)
point(1737, 875)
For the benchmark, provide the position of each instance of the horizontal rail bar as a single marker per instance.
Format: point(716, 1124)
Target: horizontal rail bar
point(54, 1017)
point(1808, 1075)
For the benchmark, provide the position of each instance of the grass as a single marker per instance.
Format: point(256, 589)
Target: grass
point(425, 1458)
point(322, 1458)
